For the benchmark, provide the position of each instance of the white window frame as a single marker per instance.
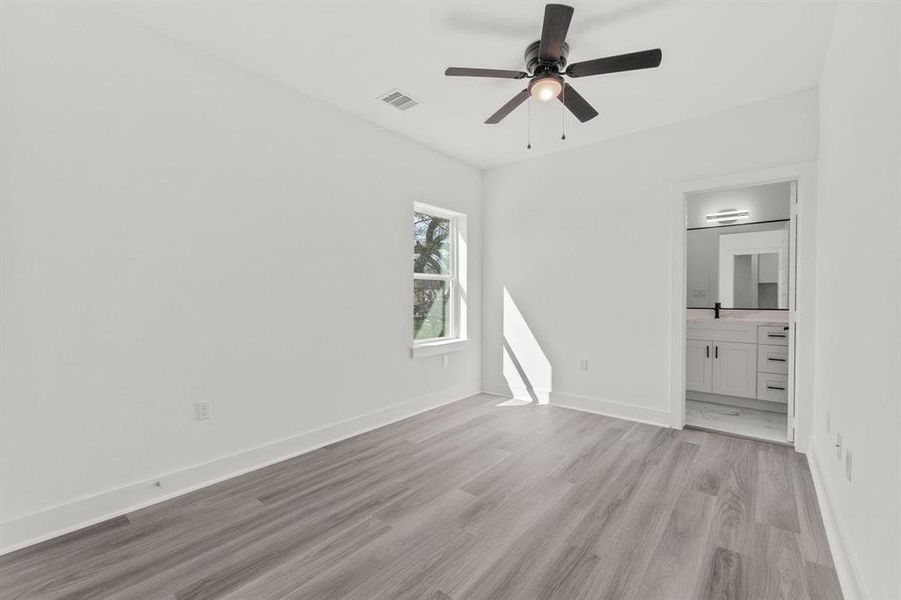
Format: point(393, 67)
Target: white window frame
point(456, 278)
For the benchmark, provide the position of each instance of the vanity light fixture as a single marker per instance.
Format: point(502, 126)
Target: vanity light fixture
point(730, 214)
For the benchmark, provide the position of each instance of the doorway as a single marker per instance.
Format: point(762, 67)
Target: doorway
point(737, 246)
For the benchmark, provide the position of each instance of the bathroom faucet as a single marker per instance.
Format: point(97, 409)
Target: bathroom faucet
point(716, 310)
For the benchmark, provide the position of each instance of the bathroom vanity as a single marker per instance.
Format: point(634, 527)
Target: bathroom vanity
point(737, 358)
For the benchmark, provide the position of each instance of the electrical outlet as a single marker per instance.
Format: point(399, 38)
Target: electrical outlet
point(848, 465)
point(583, 365)
point(838, 446)
point(203, 411)
point(445, 360)
point(828, 423)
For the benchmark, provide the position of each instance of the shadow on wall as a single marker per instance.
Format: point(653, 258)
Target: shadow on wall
point(526, 367)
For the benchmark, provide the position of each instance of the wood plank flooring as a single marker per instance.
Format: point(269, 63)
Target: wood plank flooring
point(471, 500)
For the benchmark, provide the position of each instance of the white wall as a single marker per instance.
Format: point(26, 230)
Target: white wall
point(858, 300)
point(177, 229)
point(581, 242)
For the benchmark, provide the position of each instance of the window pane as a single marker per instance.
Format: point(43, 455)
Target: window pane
point(431, 244)
point(431, 309)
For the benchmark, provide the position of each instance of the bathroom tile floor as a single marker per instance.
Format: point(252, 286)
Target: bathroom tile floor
point(760, 424)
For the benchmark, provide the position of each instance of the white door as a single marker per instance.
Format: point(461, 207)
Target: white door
point(793, 310)
point(735, 369)
point(698, 365)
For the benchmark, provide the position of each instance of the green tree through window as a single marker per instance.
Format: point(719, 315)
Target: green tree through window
point(433, 277)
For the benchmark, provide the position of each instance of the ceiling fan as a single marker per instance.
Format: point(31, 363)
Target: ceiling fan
point(545, 64)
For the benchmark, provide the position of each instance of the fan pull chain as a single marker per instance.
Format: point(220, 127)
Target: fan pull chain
point(563, 119)
point(529, 144)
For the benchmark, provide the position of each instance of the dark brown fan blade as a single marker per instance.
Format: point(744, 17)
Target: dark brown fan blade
point(499, 73)
point(647, 59)
point(507, 108)
point(553, 33)
point(576, 104)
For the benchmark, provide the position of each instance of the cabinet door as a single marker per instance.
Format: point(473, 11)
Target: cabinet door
point(735, 369)
point(698, 365)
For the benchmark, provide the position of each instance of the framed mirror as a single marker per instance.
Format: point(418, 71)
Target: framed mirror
point(738, 246)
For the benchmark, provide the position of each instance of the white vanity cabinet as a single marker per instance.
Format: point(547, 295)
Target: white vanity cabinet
point(721, 358)
point(716, 367)
point(730, 358)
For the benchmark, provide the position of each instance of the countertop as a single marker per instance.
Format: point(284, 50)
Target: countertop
point(748, 317)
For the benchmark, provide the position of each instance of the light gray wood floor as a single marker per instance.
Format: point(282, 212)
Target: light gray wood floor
point(472, 500)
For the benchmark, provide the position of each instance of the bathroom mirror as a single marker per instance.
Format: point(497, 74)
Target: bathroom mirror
point(733, 260)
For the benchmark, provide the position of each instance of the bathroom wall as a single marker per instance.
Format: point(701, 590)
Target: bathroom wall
point(767, 202)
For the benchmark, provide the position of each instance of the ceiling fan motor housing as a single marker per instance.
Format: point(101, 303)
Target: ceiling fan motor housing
point(534, 66)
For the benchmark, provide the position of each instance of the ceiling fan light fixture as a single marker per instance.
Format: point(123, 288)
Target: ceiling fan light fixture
point(546, 88)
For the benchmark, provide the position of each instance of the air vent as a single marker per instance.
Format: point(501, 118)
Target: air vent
point(399, 100)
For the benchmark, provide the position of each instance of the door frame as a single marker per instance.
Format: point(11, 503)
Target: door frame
point(800, 299)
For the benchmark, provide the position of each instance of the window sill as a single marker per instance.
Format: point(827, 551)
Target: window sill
point(436, 348)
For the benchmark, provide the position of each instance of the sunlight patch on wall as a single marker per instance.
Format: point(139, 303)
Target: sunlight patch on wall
point(526, 368)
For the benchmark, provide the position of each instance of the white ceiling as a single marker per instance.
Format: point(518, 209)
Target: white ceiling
point(716, 55)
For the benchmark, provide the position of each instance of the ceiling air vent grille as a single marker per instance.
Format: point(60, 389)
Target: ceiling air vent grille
point(399, 100)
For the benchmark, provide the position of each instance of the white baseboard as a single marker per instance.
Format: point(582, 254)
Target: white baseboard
point(608, 408)
point(642, 414)
point(49, 523)
point(845, 564)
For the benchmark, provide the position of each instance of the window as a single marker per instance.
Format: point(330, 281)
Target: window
point(438, 288)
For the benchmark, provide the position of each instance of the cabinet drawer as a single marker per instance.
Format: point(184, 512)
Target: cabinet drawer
point(772, 387)
point(772, 359)
point(721, 330)
point(772, 335)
